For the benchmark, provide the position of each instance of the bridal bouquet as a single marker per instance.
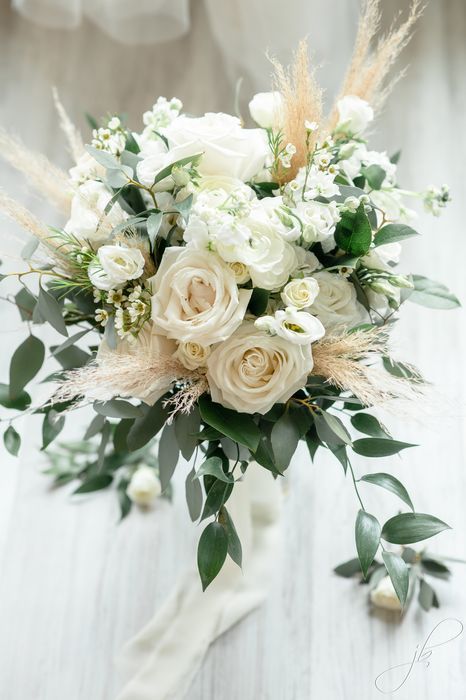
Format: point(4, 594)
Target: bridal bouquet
point(224, 293)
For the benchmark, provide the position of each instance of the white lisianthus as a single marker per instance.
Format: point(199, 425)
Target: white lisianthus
point(336, 304)
point(384, 596)
point(192, 355)
point(196, 298)
point(300, 293)
point(354, 115)
point(87, 209)
point(271, 210)
point(227, 148)
point(318, 222)
point(252, 371)
point(266, 108)
point(379, 258)
point(144, 486)
point(298, 327)
point(115, 265)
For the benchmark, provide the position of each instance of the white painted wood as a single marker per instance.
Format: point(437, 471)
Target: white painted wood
point(74, 584)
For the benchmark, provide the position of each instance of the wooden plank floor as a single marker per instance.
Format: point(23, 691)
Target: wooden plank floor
point(74, 585)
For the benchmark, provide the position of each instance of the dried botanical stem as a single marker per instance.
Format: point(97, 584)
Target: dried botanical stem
point(50, 181)
point(73, 135)
point(369, 69)
point(185, 398)
point(302, 98)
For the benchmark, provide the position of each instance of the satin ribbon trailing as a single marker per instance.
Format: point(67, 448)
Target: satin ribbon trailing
point(162, 660)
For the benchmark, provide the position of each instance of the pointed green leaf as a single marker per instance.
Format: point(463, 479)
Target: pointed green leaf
point(379, 447)
point(367, 533)
point(284, 438)
point(330, 429)
point(25, 364)
point(12, 440)
point(168, 455)
point(234, 544)
point(407, 528)
point(369, 425)
point(399, 575)
point(432, 294)
point(240, 427)
point(51, 311)
point(193, 492)
point(211, 552)
point(213, 466)
point(20, 402)
point(389, 482)
point(393, 233)
point(95, 483)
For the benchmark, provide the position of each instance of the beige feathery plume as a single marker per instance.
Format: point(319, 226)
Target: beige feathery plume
point(302, 100)
point(344, 361)
point(73, 135)
point(369, 69)
point(50, 181)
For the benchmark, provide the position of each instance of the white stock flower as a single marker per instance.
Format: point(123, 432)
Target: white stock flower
point(318, 222)
point(294, 325)
point(354, 114)
point(266, 108)
point(114, 265)
point(195, 297)
point(227, 148)
point(144, 486)
point(252, 371)
point(384, 596)
point(320, 183)
point(192, 355)
point(336, 304)
point(300, 293)
point(87, 209)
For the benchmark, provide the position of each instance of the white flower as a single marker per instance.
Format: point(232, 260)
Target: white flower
point(384, 596)
point(86, 168)
point(266, 108)
point(271, 210)
point(354, 115)
point(252, 371)
point(300, 293)
point(192, 355)
point(391, 204)
point(296, 326)
point(144, 486)
point(320, 183)
point(240, 272)
point(148, 168)
point(87, 209)
point(336, 304)
point(115, 265)
point(318, 222)
point(379, 258)
point(307, 262)
point(227, 148)
point(196, 298)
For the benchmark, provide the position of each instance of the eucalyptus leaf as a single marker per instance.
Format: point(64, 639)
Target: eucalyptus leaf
point(211, 552)
point(348, 569)
point(52, 426)
point(367, 535)
point(369, 425)
point(117, 408)
point(435, 568)
point(147, 426)
point(193, 491)
point(26, 304)
point(426, 595)
point(234, 544)
point(375, 176)
point(407, 528)
point(25, 364)
point(214, 467)
point(95, 483)
point(94, 427)
point(51, 311)
point(20, 403)
point(399, 575)
point(108, 160)
point(12, 440)
point(217, 495)
point(168, 455)
point(432, 294)
point(330, 429)
point(392, 233)
point(70, 341)
point(240, 427)
point(166, 172)
point(390, 483)
point(284, 437)
point(154, 222)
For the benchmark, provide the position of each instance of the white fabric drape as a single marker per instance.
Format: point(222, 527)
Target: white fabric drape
point(161, 662)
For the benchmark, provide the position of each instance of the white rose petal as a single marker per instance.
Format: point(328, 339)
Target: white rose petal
point(115, 265)
point(384, 596)
point(252, 371)
point(87, 209)
point(196, 297)
point(300, 293)
point(266, 108)
point(354, 114)
point(192, 355)
point(144, 486)
point(336, 304)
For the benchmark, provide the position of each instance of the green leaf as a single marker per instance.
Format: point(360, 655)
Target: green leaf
point(168, 455)
point(432, 294)
point(71, 357)
point(426, 595)
point(354, 234)
point(435, 568)
point(51, 311)
point(330, 429)
point(95, 483)
point(217, 495)
point(148, 425)
point(390, 483)
point(117, 408)
point(284, 438)
point(95, 426)
point(103, 157)
point(240, 427)
point(379, 447)
point(375, 175)
point(123, 499)
point(391, 233)
point(121, 434)
point(399, 369)
point(259, 301)
point(153, 226)
point(214, 467)
point(234, 545)
point(367, 533)
point(367, 424)
point(348, 568)
point(211, 552)
point(186, 427)
point(12, 440)
point(25, 363)
point(51, 427)
point(70, 341)
point(20, 402)
point(30, 248)
point(399, 575)
point(265, 457)
point(407, 528)
point(166, 172)
point(193, 492)
point(26, 304)
point(184, 207)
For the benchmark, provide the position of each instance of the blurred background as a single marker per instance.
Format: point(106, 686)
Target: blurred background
point(74, 584)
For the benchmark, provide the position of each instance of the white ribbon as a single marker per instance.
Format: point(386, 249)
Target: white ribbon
point(162, 660)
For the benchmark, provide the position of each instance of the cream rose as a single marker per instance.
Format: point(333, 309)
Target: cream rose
point(227, 148)
point(354, 114)
point(192, 355)
point(336, 304)
point(384, 596)
point(266, 108)
point(115, 265)
point(87, 209)
point(252, 371)
point(144, 486)
point(196, 297)
point(300, 293)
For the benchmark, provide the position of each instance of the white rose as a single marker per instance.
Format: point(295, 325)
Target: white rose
point(270, 210)
point(336, 304)
point(87, 211)
point(354, 114)
point(384, 596)
point(115, 265)
point(296, 326)
point(227, 148)
point(240, 272)
point(252, 371)
point(300, 293)
point(318, 221)
point(196, 297)
point(266, 108)
point(144, 486)
point(192, 355)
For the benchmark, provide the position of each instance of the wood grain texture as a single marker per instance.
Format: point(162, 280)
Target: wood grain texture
point(74, 584)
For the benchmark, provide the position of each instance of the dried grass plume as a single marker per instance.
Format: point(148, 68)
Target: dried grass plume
point(73, 135)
